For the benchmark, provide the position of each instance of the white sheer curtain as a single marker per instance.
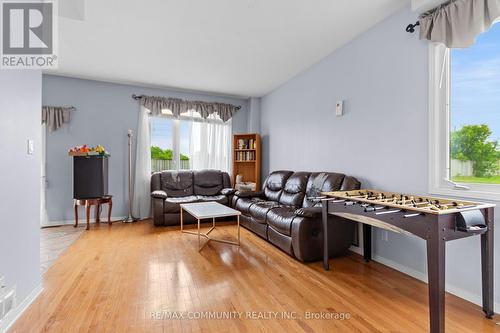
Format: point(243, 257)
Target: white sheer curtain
point(210, 144)
point(141, 202)
point(209, 148)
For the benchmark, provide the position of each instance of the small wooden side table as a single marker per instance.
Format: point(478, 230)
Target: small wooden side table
point(93, 202)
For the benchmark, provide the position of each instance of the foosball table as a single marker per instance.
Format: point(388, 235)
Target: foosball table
point(435, 220)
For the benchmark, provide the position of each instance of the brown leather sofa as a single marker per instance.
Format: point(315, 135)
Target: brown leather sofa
point(169, 189)
point(287, 213)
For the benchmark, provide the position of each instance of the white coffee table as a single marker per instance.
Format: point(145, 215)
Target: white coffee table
point(209, 210)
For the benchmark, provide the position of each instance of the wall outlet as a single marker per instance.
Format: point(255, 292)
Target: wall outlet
point(385, 235)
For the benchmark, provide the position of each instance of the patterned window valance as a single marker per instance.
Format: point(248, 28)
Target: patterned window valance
point(55, 116)
point(178, 106)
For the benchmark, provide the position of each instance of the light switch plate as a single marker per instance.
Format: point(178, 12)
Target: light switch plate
point(339, 108)
point(31, 146)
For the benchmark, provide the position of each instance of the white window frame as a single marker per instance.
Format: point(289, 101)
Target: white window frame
point(439, 133)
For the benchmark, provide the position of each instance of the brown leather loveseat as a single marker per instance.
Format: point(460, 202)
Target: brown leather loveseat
point(287, 212)
point(169, 189)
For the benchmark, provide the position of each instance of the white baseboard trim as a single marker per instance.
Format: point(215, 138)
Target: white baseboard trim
point(459, 292)
point(81, 221)
point(14, 314)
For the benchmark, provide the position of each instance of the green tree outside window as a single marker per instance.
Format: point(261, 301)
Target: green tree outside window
point(472, 143)
point(165, 154)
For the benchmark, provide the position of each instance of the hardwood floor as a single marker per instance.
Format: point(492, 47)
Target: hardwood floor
point(113, 278)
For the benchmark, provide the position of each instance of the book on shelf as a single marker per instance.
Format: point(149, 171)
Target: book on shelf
point(245, 156)
point(246, 144)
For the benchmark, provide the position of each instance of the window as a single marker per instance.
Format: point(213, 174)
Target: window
point(169, 144)
point(190, 142)
point(465, 118)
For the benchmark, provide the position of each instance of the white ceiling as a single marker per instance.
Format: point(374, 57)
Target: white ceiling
point(421, 6)
point(233, 47)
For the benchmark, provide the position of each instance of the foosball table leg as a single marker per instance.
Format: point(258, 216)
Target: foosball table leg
point(487, 265)
point(326, 254)
point(367, 242)
point(436, 277)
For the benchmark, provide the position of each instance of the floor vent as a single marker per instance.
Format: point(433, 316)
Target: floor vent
point(7, 298)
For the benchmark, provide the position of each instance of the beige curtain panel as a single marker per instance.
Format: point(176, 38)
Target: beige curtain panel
point(55, 116)
point(456, 23)
point(178, 106)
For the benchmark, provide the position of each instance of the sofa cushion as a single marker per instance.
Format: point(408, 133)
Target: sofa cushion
point(222, 199)
point(207, 182)
point(275, 183)
point(321, 182)
point(177, 183)
point(226, 180)
point(171, 205)
point(281, 219)
point(295, 189)
point(258, 228)
point(244, 204)
point(260, 209)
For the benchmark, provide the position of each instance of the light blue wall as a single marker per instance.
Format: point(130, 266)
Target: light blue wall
point(254, 115)
point(382, 139)
point(20, 116)
point(105, 111)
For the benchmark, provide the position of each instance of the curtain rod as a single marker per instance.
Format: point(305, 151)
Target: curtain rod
point(411, 27)
point(71, 108)
point(138, 97)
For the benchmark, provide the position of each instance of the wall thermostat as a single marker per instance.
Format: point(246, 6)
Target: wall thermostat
point(339, 108)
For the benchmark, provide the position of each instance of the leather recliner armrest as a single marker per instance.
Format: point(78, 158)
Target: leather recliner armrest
point(315, 200)
point(249, 194)
point(227, 191)
point(312, 212)
point(159, 194)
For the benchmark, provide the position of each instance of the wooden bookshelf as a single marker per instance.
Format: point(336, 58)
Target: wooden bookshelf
point(246, 158)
